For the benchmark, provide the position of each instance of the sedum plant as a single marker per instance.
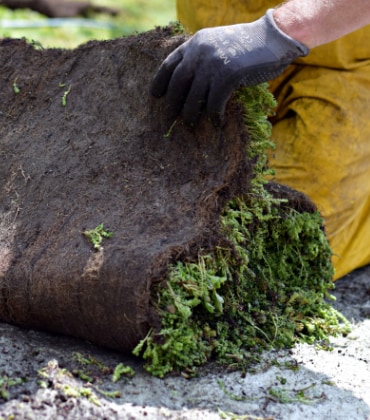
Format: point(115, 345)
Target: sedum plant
point(269, 289)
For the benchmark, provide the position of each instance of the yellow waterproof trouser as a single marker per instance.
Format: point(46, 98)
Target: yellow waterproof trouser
point(321, 128)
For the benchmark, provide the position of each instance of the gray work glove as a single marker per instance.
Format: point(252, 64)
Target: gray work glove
point(203, 72)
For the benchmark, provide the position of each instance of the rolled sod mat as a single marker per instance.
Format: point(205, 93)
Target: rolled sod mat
point(121, 225)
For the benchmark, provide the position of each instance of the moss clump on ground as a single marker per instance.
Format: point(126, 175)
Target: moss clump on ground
point(268, 289)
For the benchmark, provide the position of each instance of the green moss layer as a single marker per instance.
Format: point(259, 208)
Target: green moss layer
point(269, 289)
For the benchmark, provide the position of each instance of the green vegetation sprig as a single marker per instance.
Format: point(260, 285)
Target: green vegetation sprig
point(16, 88)
point(97, 235)
point(65, 94)
point(6, 383)
point(122, 370)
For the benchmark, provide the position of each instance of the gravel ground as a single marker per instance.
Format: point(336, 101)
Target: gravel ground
point(36, 380)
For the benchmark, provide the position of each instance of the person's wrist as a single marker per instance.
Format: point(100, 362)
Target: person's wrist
point(285, 41)
point(289, 23)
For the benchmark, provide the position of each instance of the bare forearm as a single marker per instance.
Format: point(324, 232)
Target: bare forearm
point(317, 22)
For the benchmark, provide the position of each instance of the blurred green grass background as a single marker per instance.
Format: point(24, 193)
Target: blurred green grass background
point(134, 16)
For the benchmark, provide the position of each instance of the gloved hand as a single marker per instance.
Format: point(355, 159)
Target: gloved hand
point(204, 71)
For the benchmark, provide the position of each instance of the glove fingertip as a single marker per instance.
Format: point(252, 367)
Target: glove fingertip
point(160, 83)
point(191, 119)
point(192, 111)
point(163, 76)
point(216, 113)
point(217, 101)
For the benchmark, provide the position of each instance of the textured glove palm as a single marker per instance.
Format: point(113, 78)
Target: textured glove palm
point(204, 71)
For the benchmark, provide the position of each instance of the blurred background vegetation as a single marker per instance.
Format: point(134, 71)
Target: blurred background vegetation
point(133, 16)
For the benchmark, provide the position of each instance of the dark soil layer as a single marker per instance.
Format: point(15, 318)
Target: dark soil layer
point(82, 143)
